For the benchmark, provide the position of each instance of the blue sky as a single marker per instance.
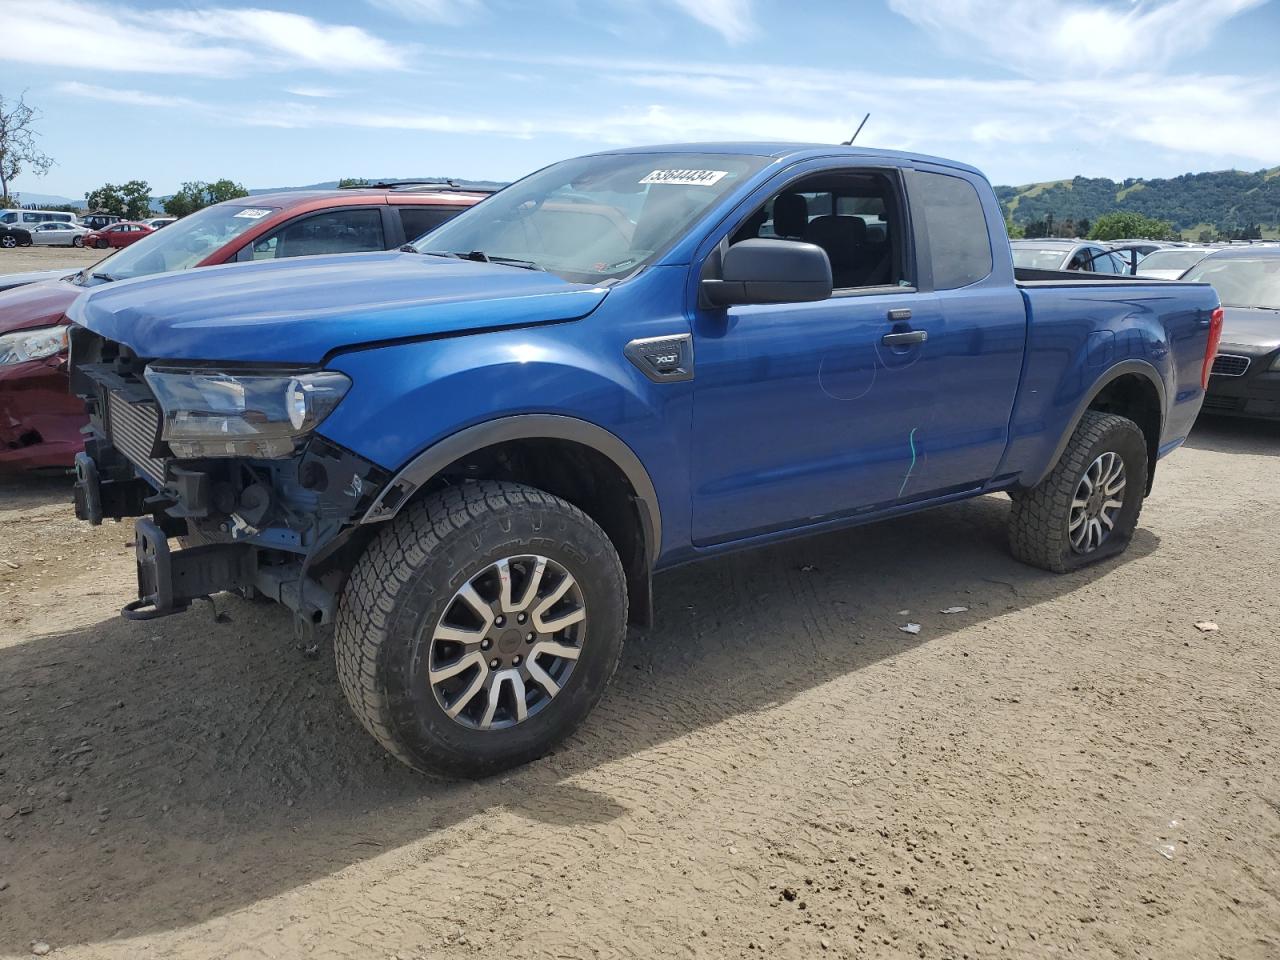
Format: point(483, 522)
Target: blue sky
point(283, 92)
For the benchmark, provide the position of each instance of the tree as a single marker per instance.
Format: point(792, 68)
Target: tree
point(18, 149)
point(1127, 225)
point(196, 195)
point(130, 200)
point(1014, 231)
point(352, 182)
point(1207, 236)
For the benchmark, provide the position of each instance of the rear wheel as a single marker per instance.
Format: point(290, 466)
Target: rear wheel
point(480, 627)
point(1087, 508)
point(77, 241)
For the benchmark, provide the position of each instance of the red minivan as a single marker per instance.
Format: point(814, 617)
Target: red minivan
point(39, 419)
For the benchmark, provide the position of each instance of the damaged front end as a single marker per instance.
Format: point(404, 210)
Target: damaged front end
point(224, 458)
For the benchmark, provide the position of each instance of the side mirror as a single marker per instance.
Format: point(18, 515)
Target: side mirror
point(770, 271)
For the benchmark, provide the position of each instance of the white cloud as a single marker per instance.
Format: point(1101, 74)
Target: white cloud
point(321, 92)
point(732, 19)
point(133, 98)
point(1041, 37)
point(432, 11)
point(213, 42)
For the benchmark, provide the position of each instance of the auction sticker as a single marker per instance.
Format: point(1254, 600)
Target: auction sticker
point(693, 178)
point(253, 213)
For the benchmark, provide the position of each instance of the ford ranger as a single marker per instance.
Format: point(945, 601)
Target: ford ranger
point(464, 460)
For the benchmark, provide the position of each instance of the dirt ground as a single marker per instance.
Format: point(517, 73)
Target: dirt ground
point(22, 259)
point(1068, 767)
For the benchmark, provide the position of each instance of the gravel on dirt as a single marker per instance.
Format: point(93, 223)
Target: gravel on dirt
point(23, 259)
point(1069, 767)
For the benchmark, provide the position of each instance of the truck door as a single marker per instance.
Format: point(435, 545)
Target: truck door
point(808, 411)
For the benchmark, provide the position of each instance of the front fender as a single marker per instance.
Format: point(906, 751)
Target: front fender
point(411, 404)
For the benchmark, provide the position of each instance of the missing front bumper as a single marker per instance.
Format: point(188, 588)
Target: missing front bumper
point(168, 581)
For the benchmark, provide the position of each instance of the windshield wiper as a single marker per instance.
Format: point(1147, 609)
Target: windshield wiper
point(104, 276)
point(479, 256)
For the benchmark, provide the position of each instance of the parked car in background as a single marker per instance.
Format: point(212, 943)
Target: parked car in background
point(1143, 247)
point(120, 234)
point(16, 217)
point(1245, 379)
point(100, 221)
point(1084, 256)
point(1170, 263)
point(55, 233)
point(39, 419)
point(470, 458)
point(11, 237)
point(155, 223)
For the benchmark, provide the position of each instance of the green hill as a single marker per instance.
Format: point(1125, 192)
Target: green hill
point(1224, 201)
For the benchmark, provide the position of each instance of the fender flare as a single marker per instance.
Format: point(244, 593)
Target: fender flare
point(1140, 367)
point(530, 426)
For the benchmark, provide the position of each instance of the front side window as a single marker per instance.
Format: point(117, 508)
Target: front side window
point(594, 218)
point(851, 215)
point(958, 238)
point(336, 231)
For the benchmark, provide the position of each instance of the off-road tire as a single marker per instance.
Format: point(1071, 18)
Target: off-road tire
point(405, 580)
point(1040, 517)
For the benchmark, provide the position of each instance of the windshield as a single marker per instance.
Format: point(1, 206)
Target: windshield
point(1039, 258)
point(183, 243)
point(594, 218)
point(1171, 259)
point(1241, 283)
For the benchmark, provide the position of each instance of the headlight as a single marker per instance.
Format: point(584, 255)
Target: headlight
point(209, 413)
point(32, 344)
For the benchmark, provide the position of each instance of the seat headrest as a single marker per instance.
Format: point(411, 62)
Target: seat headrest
point(790, 215)
point(837, 233)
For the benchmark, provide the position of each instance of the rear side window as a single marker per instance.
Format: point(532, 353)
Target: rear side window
point(958, 238)
point(418, 220)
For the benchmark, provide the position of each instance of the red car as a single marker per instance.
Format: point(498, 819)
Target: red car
point(39, 419)
point(117, 235)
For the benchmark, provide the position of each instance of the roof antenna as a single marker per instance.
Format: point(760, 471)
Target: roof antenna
point(849, 142)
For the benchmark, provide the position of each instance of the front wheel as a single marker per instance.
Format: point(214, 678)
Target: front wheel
point(480, 627)
point(8, 242)
point(102, 244)
point(1087, 508)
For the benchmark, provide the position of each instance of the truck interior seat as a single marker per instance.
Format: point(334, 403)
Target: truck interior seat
point(790, 216)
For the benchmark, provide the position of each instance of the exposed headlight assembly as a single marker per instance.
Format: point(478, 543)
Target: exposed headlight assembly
point(212, 413)
point(32, 344)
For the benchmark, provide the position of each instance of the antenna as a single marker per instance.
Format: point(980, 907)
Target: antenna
point(849, 142)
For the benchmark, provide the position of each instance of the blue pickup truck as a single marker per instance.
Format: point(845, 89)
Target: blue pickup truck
point(468, 457)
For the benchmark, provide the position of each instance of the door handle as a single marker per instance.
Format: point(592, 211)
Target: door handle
point(905, 339)
point(898, 315)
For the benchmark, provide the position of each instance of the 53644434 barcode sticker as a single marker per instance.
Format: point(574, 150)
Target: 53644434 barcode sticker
point(693, 178)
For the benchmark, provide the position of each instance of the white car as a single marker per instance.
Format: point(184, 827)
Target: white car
point(155, 223)
point(58, 234)
point(1171, 262)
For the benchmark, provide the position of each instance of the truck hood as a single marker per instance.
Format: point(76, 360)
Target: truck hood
point(1251, 327)
point(36, 305)
point(299, 310)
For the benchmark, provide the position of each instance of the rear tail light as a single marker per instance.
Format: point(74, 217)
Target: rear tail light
point(1211, 348)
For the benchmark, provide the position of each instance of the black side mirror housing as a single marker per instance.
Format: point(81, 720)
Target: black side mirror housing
point(770, 271)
